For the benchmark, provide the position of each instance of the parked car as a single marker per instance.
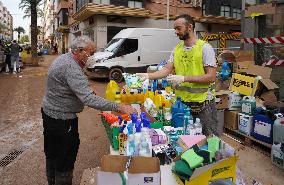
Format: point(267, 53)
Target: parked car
point(132, 50)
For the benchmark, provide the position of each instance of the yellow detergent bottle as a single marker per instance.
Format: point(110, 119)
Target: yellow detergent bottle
point(124, 97)
point(140, 97)
point(151, 95)
point(111, 90)
point(159, 99)
point(118, 97)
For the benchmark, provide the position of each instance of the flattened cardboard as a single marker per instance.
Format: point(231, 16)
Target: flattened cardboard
point(266, 9)
point(269, 84)
point(257, 70)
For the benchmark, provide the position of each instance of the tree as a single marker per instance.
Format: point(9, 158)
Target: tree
point(32, 10)
point(19, 30)
point(24, 38)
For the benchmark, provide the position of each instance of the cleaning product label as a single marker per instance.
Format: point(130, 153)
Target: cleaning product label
point(262, 128)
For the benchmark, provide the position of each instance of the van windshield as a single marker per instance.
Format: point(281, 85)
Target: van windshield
point(113, 45)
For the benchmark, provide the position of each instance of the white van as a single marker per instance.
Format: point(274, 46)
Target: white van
point(132, 50)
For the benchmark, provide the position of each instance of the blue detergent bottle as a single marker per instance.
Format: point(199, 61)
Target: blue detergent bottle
point(178, 111)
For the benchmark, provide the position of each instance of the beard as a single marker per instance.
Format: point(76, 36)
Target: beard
point(184, 37)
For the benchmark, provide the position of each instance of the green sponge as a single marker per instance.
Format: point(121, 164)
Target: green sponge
point(192, 159)
point(213, 145)
point(182, 169)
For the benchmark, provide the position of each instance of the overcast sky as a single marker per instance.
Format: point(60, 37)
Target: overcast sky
point(17, 14)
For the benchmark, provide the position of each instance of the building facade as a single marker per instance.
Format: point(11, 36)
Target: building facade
point(102, 19)
point(6, 23)
point(270, 23)
point(49, 18)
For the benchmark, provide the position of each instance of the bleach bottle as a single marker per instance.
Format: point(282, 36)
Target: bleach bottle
point(178, 111)
point(278, 128)
point(248, 105)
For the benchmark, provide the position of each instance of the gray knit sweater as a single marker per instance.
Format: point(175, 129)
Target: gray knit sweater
point(68, 90)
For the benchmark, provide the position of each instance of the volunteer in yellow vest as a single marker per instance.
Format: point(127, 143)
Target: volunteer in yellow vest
point(191, 69)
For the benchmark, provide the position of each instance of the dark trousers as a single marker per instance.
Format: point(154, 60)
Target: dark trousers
point(208, 118)
point(61, 144)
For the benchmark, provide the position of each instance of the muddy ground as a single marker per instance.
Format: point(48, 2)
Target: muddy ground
point(21, 129)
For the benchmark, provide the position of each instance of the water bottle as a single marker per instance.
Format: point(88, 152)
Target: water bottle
point(198, 127)
point(186, 120)
point(191, 127)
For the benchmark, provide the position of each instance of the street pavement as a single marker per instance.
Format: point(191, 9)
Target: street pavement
point(21, 131)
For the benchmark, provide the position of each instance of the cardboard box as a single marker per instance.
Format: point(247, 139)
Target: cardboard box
point(244, 55)
point(142, 170)
point(228, 100)
point(225, 168)
point(222, 99)
point(231, 119)
point(251, 83)
point(241, 67)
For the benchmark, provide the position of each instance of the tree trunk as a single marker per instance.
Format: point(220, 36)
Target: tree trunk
point(34, 31)
point(19, 37)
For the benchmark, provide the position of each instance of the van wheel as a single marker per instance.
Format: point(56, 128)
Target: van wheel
point(116, 75)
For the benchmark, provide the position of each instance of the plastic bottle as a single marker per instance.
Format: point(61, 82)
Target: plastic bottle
point(111, 90)
point(132, 97)
point(117, 97)
point(155, 85)
point(168, 103)
point(168, 114)
point(124, 97)
point(151, 94)
point(198, 127)
point(186, 122)
point(159, 99)
point(178, 111)
point(140, 97)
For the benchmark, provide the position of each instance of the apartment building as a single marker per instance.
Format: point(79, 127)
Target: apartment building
point(49, 20)
point(6, 21)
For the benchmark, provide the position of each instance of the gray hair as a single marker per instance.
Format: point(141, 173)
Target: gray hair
point(80, 42)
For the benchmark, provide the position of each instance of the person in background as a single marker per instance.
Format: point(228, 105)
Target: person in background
point(15, 56)
point(192, 70)
point(7, 52)
point(67, 91)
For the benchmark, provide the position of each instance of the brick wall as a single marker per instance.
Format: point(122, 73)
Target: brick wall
point(176, 8)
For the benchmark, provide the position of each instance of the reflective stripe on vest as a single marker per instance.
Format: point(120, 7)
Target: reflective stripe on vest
point(189, 63)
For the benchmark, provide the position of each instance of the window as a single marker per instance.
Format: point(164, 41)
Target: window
point(101, 1)
point(225, 11)
point(128, 46)
point(135, 4)
point(236, 13)
point(203, 9)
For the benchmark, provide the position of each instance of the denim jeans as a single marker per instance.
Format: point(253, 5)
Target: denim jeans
point(15, 62)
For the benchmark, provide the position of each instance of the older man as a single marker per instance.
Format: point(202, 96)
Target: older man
point(67, 92)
